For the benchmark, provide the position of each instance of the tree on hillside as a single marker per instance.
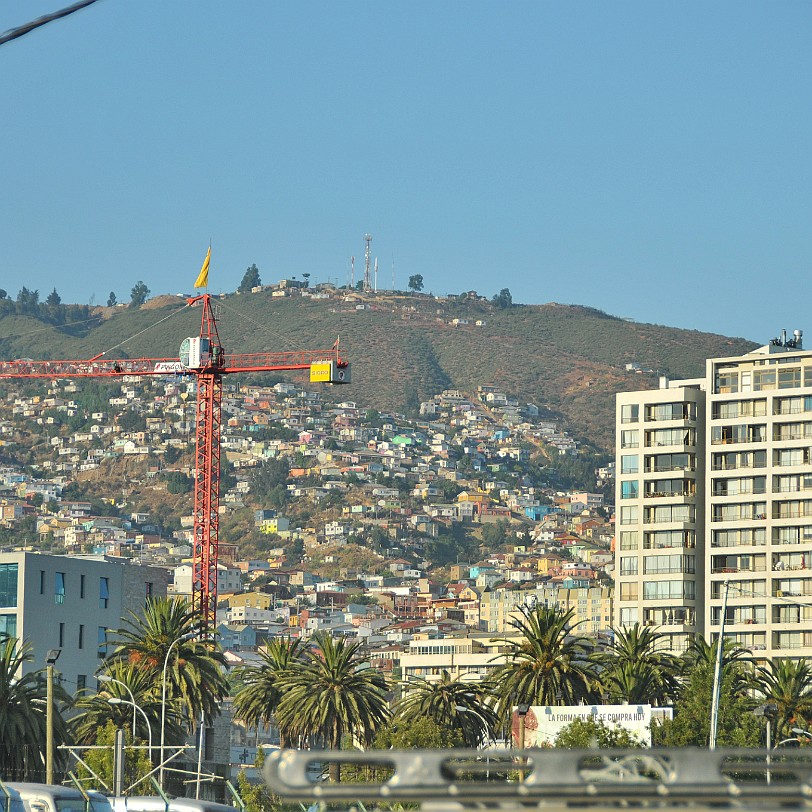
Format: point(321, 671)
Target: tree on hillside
point(139, 294)
point(250, 280)
point(416, 282)
point(28, 302)
point(111, 299)
point(3, 293)
point(54, 299)
point(503, 298)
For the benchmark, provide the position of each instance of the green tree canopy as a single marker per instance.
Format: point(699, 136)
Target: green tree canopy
point(333, 694)
point(196, 669)
point(547, 666)
point(585, 734)
point(250, 280)
point(503, 298)
point(139, 294)
point(416, 282)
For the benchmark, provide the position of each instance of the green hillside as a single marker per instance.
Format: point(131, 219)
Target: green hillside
point(403, 348)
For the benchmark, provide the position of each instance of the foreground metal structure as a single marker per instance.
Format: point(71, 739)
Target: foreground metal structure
point(687, 778)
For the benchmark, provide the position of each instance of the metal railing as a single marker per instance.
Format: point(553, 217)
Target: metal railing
point(692, 777)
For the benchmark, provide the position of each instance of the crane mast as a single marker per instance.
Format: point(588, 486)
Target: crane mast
point(202, 357)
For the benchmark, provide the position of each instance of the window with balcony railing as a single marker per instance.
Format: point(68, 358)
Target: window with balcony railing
point(663, 514)
point(740, 486)
point(663, 463)
point(792, 535)
point(671, 411)
point(733, 460)
point(667, 590)
point(736, 537)
point(667, 539)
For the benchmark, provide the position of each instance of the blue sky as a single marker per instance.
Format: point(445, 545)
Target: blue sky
point(649, 159)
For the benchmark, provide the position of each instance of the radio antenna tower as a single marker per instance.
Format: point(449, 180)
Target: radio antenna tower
point(367, 268)
point(376, 274)
point(352, 273)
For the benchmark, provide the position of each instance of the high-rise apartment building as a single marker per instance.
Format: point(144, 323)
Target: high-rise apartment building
point(714, 503)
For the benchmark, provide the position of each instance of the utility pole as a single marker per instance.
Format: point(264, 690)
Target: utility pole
point(50, 660)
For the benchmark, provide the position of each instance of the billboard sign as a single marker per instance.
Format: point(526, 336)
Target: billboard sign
point(544, 722)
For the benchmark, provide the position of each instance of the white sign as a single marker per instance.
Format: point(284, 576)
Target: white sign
point(544, 722)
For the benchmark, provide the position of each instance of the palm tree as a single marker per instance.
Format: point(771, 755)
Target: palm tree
point(736, 662)
point(196, 668)
point(453, 705)
point(546, 667)
point(23, 711)
point(636, 670)
point(332, 694)
point(788, 684)
point(95, 710)
point(257, 701)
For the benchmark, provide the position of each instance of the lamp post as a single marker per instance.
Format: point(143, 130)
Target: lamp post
point(769, 712)
point(108, 678)
point(182, 639)
point(115, 700)
point(50, 660)
point(521, 712)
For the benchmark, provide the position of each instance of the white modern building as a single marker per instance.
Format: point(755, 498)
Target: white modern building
point(720, 467)
point(72, 603)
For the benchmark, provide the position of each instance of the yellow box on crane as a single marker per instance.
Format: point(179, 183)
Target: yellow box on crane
point(329, 372)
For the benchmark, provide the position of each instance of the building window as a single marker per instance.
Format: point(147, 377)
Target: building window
point(81, 636)
point(59, 587)
point(629, 464)
point(629, 489)
point(148, 589)
point(104, 592)
point(628, 565)
point(81, 586)
point(630, 438)
point(629, 515)
point(102, 641)
point(630, 413)
point(42, 582)
point(81, 682)
point(8, 626)
point(8, 585)
point(61, 635)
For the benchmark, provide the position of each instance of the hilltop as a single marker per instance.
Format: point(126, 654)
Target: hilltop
point(567, 359)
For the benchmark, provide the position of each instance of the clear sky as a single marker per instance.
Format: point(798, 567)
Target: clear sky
point(650, 159)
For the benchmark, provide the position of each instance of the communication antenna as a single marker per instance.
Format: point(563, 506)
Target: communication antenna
point(376, 274)
point(367, 269)
point(352, 272)
point(393, 270)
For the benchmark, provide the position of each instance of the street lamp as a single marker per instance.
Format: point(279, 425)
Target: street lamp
point(521, 712)
point(50, 660)
point(182, 639)
point(108, 678)
point(116, 700)
point(769, 712)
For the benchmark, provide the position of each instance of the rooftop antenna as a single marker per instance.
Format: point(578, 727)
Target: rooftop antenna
point(368, 240)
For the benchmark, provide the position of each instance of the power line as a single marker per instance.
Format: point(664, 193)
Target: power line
point(27, 28)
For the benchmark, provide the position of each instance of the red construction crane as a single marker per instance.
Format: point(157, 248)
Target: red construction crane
point(203, 358)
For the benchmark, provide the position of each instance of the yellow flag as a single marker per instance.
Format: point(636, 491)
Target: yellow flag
point(203, 276)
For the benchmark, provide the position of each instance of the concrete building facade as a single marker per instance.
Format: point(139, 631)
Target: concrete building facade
point(72, 603)
point(750, 498)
